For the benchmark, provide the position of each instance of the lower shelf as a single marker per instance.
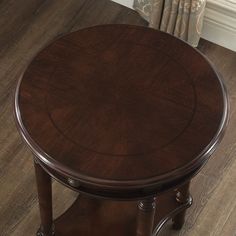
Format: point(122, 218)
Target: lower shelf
point(88, 216)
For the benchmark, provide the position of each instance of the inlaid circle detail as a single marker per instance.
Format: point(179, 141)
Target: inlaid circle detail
point(119, 105)
point(118, 111)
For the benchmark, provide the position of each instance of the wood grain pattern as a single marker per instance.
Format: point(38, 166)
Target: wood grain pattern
point(111, 105)
point(104, 110)
point(35, 23)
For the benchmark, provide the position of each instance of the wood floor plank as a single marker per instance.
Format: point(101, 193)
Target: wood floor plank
point(221, 205)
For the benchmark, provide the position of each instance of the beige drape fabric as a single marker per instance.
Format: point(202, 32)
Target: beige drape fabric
point(181, 18)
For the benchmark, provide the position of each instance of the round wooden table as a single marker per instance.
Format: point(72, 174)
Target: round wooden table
point(119, 112)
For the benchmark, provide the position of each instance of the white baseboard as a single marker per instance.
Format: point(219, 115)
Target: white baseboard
point(219, 22)
point(127, 3)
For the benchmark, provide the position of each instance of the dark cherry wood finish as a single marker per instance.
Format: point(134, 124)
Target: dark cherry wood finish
point(146, 214)
point(90, 216)
point(44, 187)
point(120, 112)
point(182, 196)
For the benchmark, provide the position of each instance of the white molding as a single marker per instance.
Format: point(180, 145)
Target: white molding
point(226, 7)
point(220, 23)
point(127, 3)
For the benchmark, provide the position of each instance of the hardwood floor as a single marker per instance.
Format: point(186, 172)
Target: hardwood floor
point(26, 27)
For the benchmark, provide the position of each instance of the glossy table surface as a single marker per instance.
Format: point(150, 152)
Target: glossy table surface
point(118, 106)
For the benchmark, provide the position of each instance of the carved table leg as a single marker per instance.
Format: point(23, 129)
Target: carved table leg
point(182, 196)
point(44, 187)
point(146, 214)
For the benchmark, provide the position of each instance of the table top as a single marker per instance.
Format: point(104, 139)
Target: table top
point(121, 106)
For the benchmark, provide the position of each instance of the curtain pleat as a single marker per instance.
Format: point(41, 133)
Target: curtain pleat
point(181, 18)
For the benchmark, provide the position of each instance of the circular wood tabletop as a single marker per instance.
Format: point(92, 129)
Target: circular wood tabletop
point(120, 105)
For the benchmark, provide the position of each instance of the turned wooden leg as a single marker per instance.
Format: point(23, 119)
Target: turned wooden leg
point(44, 187)
point(182, 197)
point(146, 214)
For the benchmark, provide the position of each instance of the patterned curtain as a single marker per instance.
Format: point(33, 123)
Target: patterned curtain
point(181, 18)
